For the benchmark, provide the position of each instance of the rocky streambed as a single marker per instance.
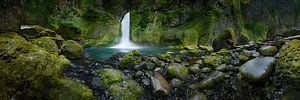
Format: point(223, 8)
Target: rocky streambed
point(268, 70)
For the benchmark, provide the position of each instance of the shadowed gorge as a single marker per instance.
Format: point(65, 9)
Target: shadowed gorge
point(149, 49)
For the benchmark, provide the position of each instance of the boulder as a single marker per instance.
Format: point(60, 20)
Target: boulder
point(178, 70)
point(160, 85)
point(288, 64)
point(257, 69)
point(268, 50)
point(213, 79)
point(35, 31)
point(225, 39)
point(22, 63)
point(195, 68)
point(71, 49)
point(47, 43)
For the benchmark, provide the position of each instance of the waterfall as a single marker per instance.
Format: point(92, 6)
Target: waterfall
point(125, 42)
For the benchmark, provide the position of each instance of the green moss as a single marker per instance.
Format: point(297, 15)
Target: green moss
point(69, 89)
point(71, 49)
point(109, 76)
point(47, 43)
point(215, 60)
point(288, 64)
point(126, 90)
point(177, 70)
point(130, 59)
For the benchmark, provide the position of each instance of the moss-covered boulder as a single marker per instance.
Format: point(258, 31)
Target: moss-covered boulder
point(68, 89)
point(24, 63)
point(213, 79)
point(225, 39)
point(71, 49)
point(126, 90)
point(47, 43)
point(35, 31)
point(215, 60)
point(268, 50)
point(288, 64)
point(130, 59)
point(109, 76)
point(178, 70)
point(257, 69)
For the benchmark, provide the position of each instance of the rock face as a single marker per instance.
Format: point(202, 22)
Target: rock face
point(268, 50)
point(71, 49)
point(288, 65)
point(212, 80)
point(160, 85)
point(178, 70)
point(257, 69)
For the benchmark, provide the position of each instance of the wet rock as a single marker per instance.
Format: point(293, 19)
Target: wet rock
point(205, 70)
point(178, 70)
point(126, 90)
point(198, 96)
point(225, 67)
point(288, 64)
point(213, 79)
point(175, 82)
point(71, 49)
point(159, 70)
point(138, 74)
point(268, 50)
point(258, 68)
point(244, 57)
point(109, 76)
point(146, 82)
point(160, 85)
point(200, 62)
point(195, 68)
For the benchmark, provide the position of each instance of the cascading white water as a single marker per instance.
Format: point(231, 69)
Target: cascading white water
point(125, 42)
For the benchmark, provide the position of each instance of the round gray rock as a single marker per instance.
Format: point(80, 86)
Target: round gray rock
point(257, 69)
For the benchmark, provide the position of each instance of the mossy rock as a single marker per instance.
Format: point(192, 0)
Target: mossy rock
point(71, 49)
point(63, 62)
point(35, 31)
point(178, 70)
point(130, 59)
point(47, 43)
point(268, 50)
point(70, 90)
point(288, 64)
point(109, 76)
point(126, 90)
point(226, 39)
point(24, 63)
point(212, 80)
point(215, 60)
